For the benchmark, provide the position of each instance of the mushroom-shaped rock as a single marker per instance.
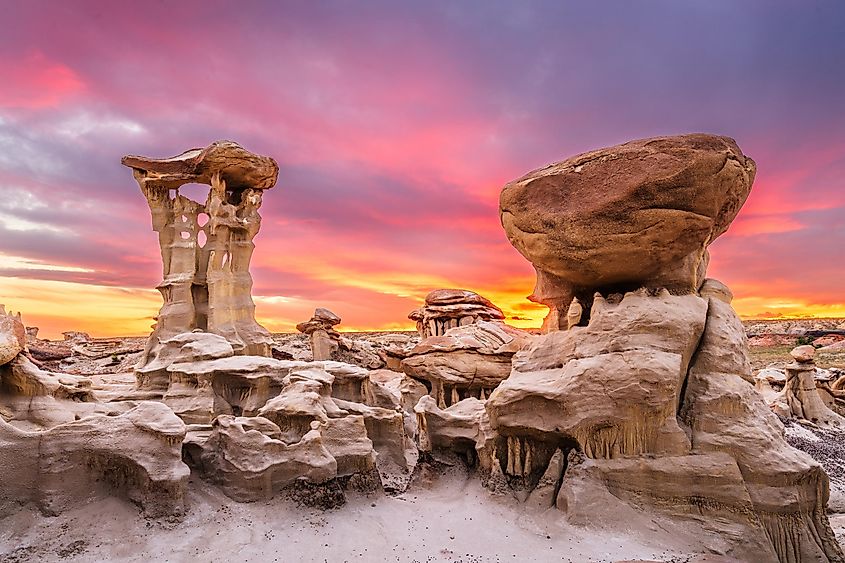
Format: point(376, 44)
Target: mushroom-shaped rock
point(468, 361)
point(206, 247)
point(803, 354)
point(325, 340)
point(637, 214)
point(800, 393)
point(238, 167)
point(450, 308)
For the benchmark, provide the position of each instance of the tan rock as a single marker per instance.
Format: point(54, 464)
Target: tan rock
point(468, 361)
point(705, 489)
point(12, 336)
point(457, 428)
point(451, 308)
point(206, 247)
point(803, 354)
point(238, 167)
point(637, 214)
point(34, 399)
point(801, 395)
point(787, 488)
point(612, 386)
point(137, 455)
point(325, 340)
point(253, 459)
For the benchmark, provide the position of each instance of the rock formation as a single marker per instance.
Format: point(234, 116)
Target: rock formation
point(60, 446)
point(800, 394)
point(12, 336)
point(324, 421)
point(136, 455)
point(615, 219)
point(647, 399)
point(450, 308)
point(468, 361)
point(206, 247)
point(325, 340)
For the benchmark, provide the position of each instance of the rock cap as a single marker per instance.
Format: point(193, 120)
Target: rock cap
point(238, 167)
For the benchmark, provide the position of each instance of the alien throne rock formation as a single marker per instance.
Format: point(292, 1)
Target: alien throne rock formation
point(645, 400)
point(206, 247)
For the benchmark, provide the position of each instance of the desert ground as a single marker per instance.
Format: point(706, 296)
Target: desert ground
point(444, 515)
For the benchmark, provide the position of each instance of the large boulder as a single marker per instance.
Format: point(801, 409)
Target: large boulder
point(637, 214)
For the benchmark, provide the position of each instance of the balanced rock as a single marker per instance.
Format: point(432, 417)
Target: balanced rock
point(450, 308)
point(236, 166)
point(206, 247)
point(468, 361)
point(800, 397)
point(637, 214)
point(325, 340)
point(646, 400)
point(803, 354)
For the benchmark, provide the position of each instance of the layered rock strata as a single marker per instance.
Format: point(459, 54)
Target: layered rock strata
point(468, 361)
point(451, 308)
point(325, 340)
point(206, 247)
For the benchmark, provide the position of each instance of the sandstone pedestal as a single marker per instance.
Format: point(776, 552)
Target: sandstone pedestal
point(206, 247)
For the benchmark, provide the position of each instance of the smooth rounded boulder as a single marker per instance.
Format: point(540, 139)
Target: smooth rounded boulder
point(633, 215)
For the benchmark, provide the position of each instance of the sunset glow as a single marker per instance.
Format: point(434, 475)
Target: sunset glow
point(395, 126)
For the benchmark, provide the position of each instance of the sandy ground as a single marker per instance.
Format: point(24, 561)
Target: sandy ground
point(443, 517)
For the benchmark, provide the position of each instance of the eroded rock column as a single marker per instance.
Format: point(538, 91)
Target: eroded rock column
point(206, 247)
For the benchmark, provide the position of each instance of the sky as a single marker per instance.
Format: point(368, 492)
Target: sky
point(395, 126)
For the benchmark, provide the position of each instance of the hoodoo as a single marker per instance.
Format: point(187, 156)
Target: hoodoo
point(206, 247)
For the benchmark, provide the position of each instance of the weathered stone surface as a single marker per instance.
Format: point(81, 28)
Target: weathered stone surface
point(188, 347)
point(34, 399)
point(468, 361)
point(406, 389)
point(787, 488)
point(325, 340)
point(451, 308)
point(803, 354)
point(238, 167)
point(707, 489)
point(612, 386)
point(136, 455)
point(800, 394)
point(652, 393)
point(457, 428)
point(12, 336)
point(637, 214)
point(252, 459)
point(206, 247)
